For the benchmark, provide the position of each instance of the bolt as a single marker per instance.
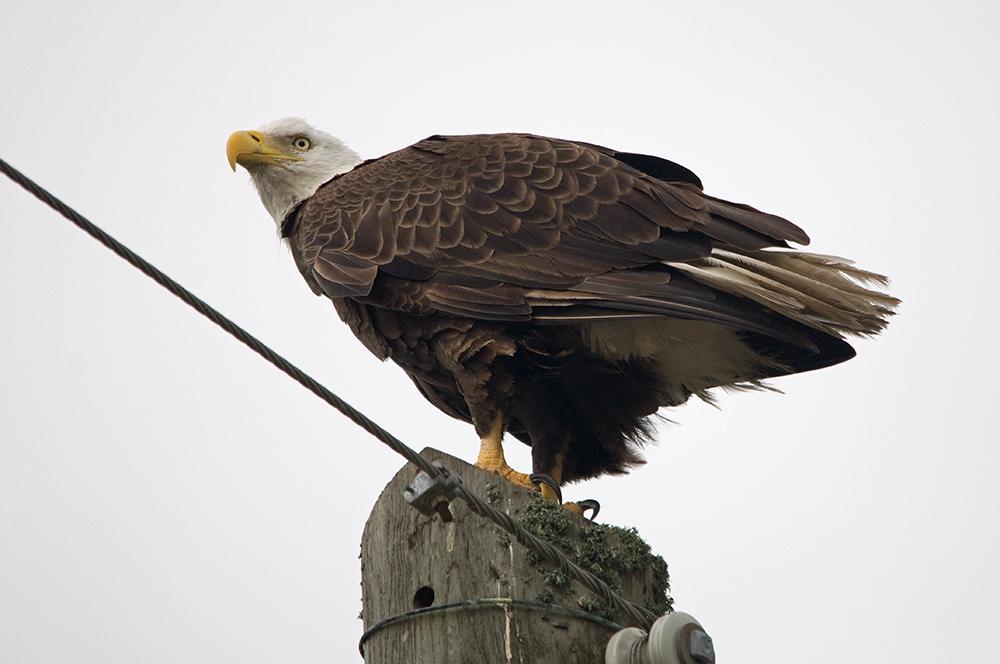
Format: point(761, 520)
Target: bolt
point(441, 507)
point(701, 647)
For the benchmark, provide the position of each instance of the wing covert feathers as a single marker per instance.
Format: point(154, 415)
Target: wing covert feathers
point(514, 227)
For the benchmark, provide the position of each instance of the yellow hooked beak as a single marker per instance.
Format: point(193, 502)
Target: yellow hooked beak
point(252, 147)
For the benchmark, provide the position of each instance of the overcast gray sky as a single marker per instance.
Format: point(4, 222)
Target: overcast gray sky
point(166, 496)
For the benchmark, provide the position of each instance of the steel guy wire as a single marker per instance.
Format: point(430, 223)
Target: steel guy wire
point(638, 616)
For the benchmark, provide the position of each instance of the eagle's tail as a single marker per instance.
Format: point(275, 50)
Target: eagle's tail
point(824, 292)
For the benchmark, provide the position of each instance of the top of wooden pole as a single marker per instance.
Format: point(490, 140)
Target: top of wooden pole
point(484, 598)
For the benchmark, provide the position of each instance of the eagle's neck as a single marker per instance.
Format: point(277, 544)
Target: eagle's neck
point(283, 187)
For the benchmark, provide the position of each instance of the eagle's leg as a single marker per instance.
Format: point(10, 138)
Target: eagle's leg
point(555, 472)
point(554, 493)
point(491, 456)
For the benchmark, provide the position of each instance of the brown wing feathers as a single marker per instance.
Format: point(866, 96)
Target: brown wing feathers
point(507, 205)
point(481, 222)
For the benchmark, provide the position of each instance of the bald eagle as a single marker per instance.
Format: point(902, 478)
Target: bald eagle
point(555, 290)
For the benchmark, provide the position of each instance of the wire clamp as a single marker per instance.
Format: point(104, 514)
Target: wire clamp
point(431, 495)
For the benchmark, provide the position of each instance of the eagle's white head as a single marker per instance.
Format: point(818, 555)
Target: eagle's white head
point(288, 160)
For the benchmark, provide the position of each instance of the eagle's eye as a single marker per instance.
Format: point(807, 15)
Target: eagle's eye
point(301, 143)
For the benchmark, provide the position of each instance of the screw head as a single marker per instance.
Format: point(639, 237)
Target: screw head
point(701, 647)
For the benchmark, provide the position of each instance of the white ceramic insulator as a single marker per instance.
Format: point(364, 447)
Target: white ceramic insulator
point(624, 646)
point(631, 645)
point(663, 638)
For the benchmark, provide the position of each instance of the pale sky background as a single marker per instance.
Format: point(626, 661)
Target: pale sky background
point(167, 496)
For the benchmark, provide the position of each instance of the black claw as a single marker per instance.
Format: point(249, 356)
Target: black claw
point(542, 478)
point(590, 504)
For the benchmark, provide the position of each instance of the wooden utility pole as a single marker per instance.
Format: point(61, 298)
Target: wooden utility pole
point(484, 598)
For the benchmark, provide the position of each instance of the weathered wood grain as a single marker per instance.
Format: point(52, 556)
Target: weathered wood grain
point(407, 556)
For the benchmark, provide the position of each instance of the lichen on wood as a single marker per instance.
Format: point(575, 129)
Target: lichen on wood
point(616, 555)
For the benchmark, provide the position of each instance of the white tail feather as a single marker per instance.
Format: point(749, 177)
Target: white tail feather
point(823, 292)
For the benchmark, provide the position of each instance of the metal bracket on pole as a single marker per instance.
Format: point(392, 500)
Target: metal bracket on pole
point(431, 495)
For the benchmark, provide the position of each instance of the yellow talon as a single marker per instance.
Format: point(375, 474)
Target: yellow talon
point(555, 472)
point(548, 493)
point(491, 457)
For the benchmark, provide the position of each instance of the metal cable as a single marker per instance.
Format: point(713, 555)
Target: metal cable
point(213, 315)
point(481, 602)
point(639, 616)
